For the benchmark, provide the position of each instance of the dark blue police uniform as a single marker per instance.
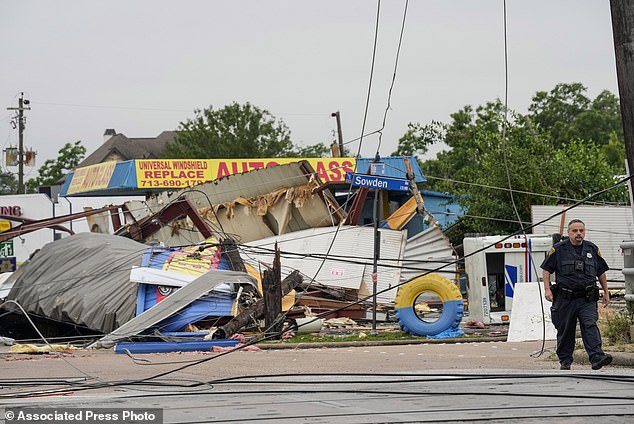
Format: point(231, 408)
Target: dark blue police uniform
point(575, 297)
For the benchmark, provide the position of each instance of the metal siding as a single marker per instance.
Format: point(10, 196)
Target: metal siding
point(606, 226)
point(351, 244)
point(433, 249)
point(391, 250)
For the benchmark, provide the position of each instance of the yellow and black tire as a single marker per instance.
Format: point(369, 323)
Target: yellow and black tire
point(453, 305)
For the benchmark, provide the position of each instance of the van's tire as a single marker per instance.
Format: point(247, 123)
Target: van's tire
point(453, 305)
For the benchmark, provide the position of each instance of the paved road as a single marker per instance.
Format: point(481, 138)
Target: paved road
point(491, 382)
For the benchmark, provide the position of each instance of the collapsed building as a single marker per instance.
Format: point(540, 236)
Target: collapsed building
point(227, 228)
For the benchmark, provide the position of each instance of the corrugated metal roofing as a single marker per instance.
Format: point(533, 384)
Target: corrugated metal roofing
point(427, 251)
point(606, 226)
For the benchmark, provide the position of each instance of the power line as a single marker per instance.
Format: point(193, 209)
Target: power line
point(389, 96)
point(367, 101)
point(505, 122)
point(517, 191)
point(110, 107)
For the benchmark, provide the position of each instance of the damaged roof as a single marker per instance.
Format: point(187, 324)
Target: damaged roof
point(248, 206)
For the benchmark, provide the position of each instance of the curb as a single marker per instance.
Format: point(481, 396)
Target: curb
point(293, 346)
point(621, 359)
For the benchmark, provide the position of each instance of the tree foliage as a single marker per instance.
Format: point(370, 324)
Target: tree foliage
point(236, 131)
point(566, 113)
point(8, 183)
point(53, 170)
point(318, 150)
point(566, 148)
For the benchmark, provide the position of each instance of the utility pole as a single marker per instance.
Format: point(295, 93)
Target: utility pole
point(22, 102)
point(339, 133)
point(623, 33)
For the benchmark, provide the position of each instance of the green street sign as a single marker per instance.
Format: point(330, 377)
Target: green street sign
point(6, 249)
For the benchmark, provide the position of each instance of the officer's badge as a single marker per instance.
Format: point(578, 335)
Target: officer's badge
point(552, 250)
point(589, 255)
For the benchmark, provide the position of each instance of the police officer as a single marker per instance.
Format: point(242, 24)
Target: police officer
point(577, 263)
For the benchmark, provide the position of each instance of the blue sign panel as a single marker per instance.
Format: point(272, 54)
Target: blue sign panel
point(8, 264)
point(372, 181)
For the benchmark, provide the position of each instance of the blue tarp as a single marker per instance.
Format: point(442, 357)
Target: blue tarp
point(449, 333)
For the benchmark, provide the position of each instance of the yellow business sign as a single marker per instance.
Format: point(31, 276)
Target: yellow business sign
point(93, 177)
point(176, 173)
point(5, 226)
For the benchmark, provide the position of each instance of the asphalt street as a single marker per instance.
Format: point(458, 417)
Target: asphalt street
point(464, 382)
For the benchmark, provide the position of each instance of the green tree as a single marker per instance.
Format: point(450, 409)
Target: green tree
point(566, 113)
point(8, 183)
point(53, 170)
point(318, 150)
point(614, 153)
point(235, 131)
point(481, 164)
point(418, 138)
point(584, 170)
point(479, 156)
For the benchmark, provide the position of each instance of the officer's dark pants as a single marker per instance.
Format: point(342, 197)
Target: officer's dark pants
point(564, 315)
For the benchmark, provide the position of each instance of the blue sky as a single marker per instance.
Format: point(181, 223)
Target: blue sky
point(143, 66)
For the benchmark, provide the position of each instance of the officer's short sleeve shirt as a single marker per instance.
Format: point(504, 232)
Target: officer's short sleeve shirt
point(550, 263)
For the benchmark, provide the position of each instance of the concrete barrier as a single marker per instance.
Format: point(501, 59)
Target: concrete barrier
point(528, 322)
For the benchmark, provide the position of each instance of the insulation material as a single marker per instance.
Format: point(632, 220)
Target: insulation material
point(251, 206)
point(242, 223)
point(98, 223)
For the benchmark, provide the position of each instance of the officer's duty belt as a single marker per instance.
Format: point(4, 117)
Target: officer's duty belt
point(572, 294)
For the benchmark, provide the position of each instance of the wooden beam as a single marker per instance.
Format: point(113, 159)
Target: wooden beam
point(255, 311)
point(272, 288)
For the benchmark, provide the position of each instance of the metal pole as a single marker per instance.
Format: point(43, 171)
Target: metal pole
point(339, 133)
point(377, 246)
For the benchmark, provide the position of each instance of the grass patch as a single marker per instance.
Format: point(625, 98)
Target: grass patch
point(362, 336)
point(351, 337)
point(615, 325)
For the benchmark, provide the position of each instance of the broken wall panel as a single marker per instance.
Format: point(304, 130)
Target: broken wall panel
point(427, 251)
point(350, 256)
